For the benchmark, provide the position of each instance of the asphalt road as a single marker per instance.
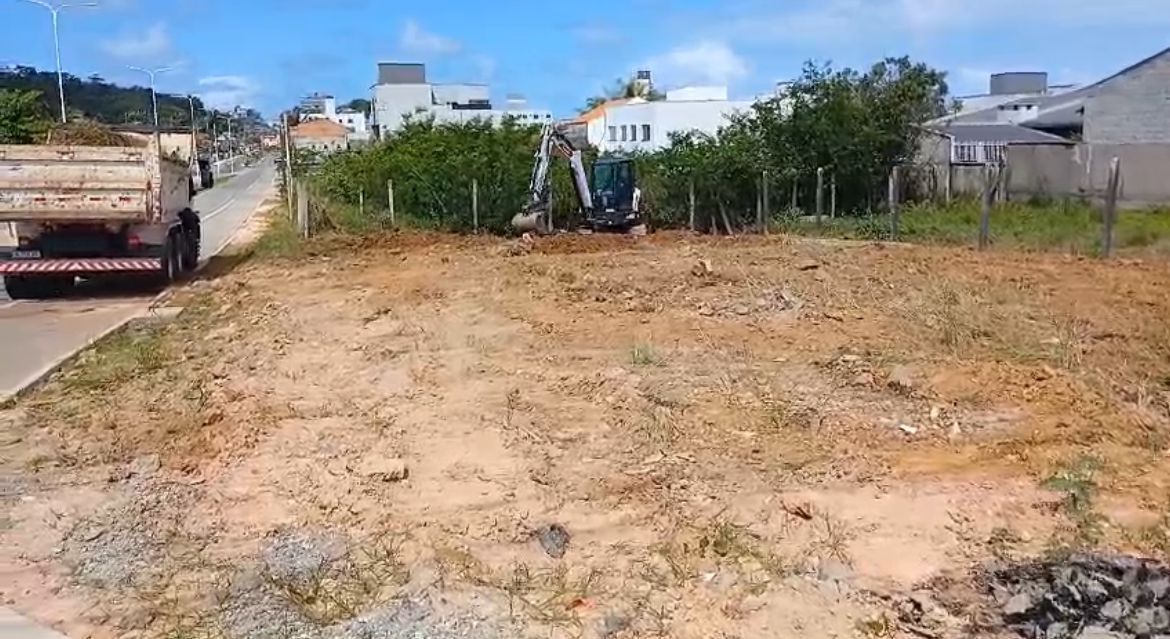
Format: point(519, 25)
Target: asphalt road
point(36, 336)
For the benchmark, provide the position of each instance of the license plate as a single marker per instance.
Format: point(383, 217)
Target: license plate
point(26, 255)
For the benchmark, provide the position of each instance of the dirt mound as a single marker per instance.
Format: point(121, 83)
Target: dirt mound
point(85, 133)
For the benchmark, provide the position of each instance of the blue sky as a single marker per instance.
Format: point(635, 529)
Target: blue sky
point(266, 53)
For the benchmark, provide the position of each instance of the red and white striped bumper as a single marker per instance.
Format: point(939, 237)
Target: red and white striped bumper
point(92, 265)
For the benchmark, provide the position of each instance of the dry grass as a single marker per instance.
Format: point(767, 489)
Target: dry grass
point(708, 439)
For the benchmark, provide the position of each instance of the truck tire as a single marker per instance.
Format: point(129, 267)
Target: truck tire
point(170, 263)
point(192, 240)
point(25, 287)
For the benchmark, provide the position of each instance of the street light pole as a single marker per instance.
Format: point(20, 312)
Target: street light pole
point(55, 10)
point(194, 135)
point(153, 94)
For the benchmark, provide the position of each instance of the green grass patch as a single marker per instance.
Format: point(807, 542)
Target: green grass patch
point(1070, 227)
point(122, 357)
point(280, 239)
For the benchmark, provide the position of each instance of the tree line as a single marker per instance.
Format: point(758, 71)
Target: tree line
point(29, 106)
point(856, 125)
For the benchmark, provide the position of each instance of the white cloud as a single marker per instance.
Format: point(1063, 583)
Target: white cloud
point(419, 41)
point(706, 62)
point(228, 91)
point(139, 46)
point(843, 20)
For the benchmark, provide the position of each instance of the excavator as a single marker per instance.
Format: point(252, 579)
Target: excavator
point(610, 202)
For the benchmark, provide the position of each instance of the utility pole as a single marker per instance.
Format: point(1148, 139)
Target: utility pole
point(194, 138)
point(55, 10)
point(151, 73)
point(231, 153)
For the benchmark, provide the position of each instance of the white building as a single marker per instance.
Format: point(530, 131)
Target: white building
point(402, 91)
point(324, 107)
point(637, 125)
point(318, 106)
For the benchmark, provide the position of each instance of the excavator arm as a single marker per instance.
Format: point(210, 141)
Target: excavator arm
point(536, 211)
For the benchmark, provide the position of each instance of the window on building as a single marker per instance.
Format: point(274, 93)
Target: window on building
point(613, 134)
point(625, 133)
point(645, 132)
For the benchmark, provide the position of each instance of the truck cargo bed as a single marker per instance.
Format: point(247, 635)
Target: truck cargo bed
point(98, 184)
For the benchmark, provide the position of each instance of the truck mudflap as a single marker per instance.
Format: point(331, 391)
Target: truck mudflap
point(81, 266)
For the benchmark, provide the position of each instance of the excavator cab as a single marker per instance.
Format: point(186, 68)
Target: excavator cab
point(616, 196)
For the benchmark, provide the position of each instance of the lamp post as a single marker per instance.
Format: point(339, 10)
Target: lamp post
point(56, 9)
point(153, 94)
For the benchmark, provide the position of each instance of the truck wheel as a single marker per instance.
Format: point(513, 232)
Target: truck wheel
point(18, 288)
point(192, 236)
point(38, 287)
point(169, 263)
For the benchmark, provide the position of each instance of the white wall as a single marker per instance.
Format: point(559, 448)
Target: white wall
point(691, 94)
point(392, 102)
point(355, 121)
point(534, 117)
point(459, 93)
point(663, 118)
point(328, 107)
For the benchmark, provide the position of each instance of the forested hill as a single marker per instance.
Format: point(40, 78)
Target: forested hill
point(99, 100)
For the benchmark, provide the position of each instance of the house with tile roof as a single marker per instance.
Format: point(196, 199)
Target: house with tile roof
point(323, 136)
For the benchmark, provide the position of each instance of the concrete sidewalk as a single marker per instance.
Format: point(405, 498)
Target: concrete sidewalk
point(13, 626)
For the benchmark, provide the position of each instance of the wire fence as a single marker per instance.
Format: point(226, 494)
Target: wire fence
point(910, 204)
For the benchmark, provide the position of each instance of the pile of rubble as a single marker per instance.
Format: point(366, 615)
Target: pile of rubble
point(1089, 596)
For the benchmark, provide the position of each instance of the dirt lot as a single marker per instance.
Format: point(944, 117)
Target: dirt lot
point(738, 438)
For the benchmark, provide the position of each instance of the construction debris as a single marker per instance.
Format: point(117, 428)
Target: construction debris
point(1086, 596)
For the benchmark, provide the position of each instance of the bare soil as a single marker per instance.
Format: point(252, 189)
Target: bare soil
point(748, 437)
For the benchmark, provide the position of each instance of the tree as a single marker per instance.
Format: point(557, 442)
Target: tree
point(361, 105)
point(23, 118)
point(629, 88)
point(94, 98)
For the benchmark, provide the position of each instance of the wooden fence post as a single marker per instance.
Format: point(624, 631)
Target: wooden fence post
point(760, 205)
point(795, 194)
point(988, 198)
point(1110, 216)
point(833, 197)
point(362, 202)
point(893, 203)
point(302, 209)
point(390, 199)
point(1005, 178)
point(820, 193)
point(691, 200)
point(475, 205)
point(767, 204)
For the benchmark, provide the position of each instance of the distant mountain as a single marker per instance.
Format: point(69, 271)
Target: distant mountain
point(99, 100)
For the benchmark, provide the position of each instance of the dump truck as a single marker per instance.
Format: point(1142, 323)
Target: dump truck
point(94, 211)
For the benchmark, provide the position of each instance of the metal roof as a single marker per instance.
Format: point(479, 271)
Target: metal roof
point(997, 134)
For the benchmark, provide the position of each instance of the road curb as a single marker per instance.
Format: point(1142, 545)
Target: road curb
point(34, 380)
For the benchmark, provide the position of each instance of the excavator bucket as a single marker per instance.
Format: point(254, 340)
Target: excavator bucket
point(529, 222)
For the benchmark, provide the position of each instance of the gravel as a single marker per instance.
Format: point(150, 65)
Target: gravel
point(125, 543)
point(298, 557)
point(1086, 596)
point(418, 619)
point(257, 607)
